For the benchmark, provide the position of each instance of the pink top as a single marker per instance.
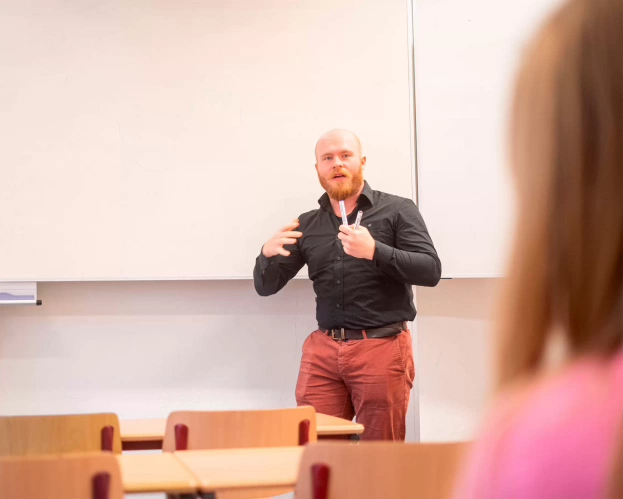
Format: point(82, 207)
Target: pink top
point(555, 439)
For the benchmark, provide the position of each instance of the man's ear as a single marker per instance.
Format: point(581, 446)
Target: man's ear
point(363, 162)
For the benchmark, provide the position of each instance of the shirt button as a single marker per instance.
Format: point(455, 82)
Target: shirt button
point(339, 257)
point(338, 305)
point(339, 282)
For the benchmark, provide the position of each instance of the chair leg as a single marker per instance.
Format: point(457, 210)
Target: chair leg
point(320, 481)
point(304, 432)
point(107, 437)
point(181, 437)
point(100, 486)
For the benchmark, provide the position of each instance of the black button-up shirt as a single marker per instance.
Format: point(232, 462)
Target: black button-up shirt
point(356, 293)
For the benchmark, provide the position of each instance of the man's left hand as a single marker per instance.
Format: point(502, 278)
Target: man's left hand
point(357, 243)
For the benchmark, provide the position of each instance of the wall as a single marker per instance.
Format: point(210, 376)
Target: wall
point(143, 349)
point(454, 356)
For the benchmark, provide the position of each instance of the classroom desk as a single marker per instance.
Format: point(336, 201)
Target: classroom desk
point(147, 434)
point(143, 473)
point(329, 426)
point(233, 473)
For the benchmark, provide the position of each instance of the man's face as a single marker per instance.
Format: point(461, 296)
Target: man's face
point(339, 165)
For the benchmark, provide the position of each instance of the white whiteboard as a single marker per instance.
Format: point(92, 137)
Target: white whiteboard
point(465, 58)
point(169, 139)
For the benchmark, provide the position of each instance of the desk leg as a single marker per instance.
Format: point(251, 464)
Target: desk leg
point(143, 445)
point(352, 437)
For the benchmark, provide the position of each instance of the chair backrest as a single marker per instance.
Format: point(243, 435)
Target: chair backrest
point(67, 476)
point(378, 469)
point(32, 435)
point(196, 430)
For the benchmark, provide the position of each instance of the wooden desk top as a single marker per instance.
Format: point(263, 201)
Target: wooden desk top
point(155, 473)
point(140, 430)
point(330, 425)
point(237, 469)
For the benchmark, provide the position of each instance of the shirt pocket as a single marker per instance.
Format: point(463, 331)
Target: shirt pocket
point(381, 230)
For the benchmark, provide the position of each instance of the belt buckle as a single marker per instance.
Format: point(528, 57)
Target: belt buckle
point(342, 334)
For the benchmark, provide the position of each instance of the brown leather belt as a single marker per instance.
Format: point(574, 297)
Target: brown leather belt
point(357, 334)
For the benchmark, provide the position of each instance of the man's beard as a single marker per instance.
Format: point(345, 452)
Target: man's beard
point(345, 188)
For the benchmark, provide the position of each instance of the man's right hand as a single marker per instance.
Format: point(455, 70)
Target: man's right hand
point(287, 235)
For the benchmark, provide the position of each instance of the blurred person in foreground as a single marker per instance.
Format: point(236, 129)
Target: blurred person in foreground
point(555, 433)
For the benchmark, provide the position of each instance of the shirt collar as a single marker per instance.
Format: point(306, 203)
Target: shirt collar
point(367, 194)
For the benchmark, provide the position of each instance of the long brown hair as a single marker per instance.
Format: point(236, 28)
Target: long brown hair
point(566, 268)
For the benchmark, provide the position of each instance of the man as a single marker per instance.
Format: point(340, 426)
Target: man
point(360, 360)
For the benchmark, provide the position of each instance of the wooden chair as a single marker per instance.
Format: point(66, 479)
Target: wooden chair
point(75, 476)
point(378, 469)
point(196, 430)
point(32, 435)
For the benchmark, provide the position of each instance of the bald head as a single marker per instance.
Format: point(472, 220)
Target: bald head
point(338, 136)
point(340, 164)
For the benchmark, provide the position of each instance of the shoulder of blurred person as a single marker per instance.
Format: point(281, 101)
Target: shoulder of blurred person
point(553, 436)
